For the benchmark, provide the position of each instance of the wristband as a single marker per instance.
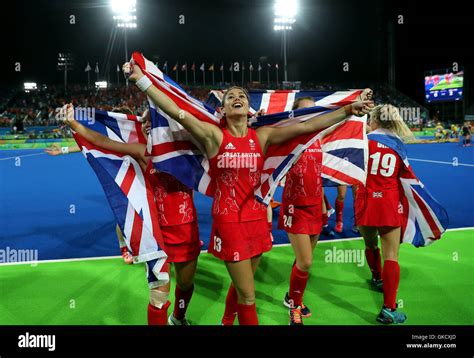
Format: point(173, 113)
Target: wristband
point(144, 83)
point(65, 150)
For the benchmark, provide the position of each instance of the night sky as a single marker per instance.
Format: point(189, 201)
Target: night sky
point(327, 33)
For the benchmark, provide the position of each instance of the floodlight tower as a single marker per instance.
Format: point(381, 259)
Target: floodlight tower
point(285, 13)
point(125, 16)
point(65, 63)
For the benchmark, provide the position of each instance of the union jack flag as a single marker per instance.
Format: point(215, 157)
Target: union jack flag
point(174, 151)
point(424, 220)
point(126, 187)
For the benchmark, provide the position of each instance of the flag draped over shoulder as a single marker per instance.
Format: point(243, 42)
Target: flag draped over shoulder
point(126, 187)
point(424, 220)
point(174, 151)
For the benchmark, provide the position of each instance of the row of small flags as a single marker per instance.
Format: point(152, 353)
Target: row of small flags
point(89, 68)
point(184, 67)
point(234, 67)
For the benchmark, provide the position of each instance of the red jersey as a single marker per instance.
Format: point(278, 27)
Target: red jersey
point(378, 203)
point(173, 199)
point(303, 185)
point(384, 168)
point(235, 173)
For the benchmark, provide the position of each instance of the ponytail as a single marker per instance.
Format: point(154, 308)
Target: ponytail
point(388, 117)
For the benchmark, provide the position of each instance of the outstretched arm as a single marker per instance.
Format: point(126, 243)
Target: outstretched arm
point(278, 135)
point(135, 150)
point(207, 134)
point(54, 149)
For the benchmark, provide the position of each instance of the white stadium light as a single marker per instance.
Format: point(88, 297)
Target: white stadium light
point(123, 6)
point(285, 17)
point(124, 11)
point(125, 17)
point(29, 86)
point(101, 84)
point(286, 9)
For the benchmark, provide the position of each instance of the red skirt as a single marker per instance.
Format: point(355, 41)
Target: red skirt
point(181, 242)
point(238, 241)
point(377, 208)
point(301, 219)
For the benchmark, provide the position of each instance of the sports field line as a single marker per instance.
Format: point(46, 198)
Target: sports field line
point(21, 156)
point(440, 162)
point(34, 263)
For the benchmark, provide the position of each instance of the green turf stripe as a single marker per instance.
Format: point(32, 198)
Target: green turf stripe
point(436, 288)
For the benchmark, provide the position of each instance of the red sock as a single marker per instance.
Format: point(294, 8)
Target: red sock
point(391, 278)
point(375, 262)
point(339, 209)
point(181, 302)
point(230, 307)
point(325, 219)
point(298, 280)
point(328, 204)
point(247, 315)
point(158, 316)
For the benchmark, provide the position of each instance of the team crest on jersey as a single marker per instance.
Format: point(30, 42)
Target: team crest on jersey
point(377, 194)
point(230, 146)
point(252, 144)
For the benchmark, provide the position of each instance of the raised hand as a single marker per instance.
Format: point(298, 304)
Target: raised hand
point(362, 108)
point(53, 149)
point(132, 71)
point(366, 95)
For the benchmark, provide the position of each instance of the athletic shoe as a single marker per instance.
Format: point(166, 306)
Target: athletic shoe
point(305, 311)
point(330, 212)
point(296, 318)
point(338, 227)
point(388, 316)
point(328, 232)
point(377, 284)
point(177, 322)
point(126, 255)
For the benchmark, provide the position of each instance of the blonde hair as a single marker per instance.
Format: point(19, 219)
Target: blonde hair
point(388, 117)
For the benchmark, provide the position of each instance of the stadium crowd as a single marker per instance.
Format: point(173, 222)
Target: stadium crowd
point(20, 109)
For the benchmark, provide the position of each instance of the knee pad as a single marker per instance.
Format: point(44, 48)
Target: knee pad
point(158, 298)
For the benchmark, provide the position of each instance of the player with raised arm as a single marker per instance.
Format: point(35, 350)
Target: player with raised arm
point(177, 220)
point(236, 154)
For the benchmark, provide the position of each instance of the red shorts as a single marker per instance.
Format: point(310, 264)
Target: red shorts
point(181, 242)
point(240, 240)
point(377, 208)
point(301, 219)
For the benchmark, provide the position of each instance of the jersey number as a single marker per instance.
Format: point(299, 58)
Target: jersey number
point(217, 244)
point(387, 164)
point(287, 220)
